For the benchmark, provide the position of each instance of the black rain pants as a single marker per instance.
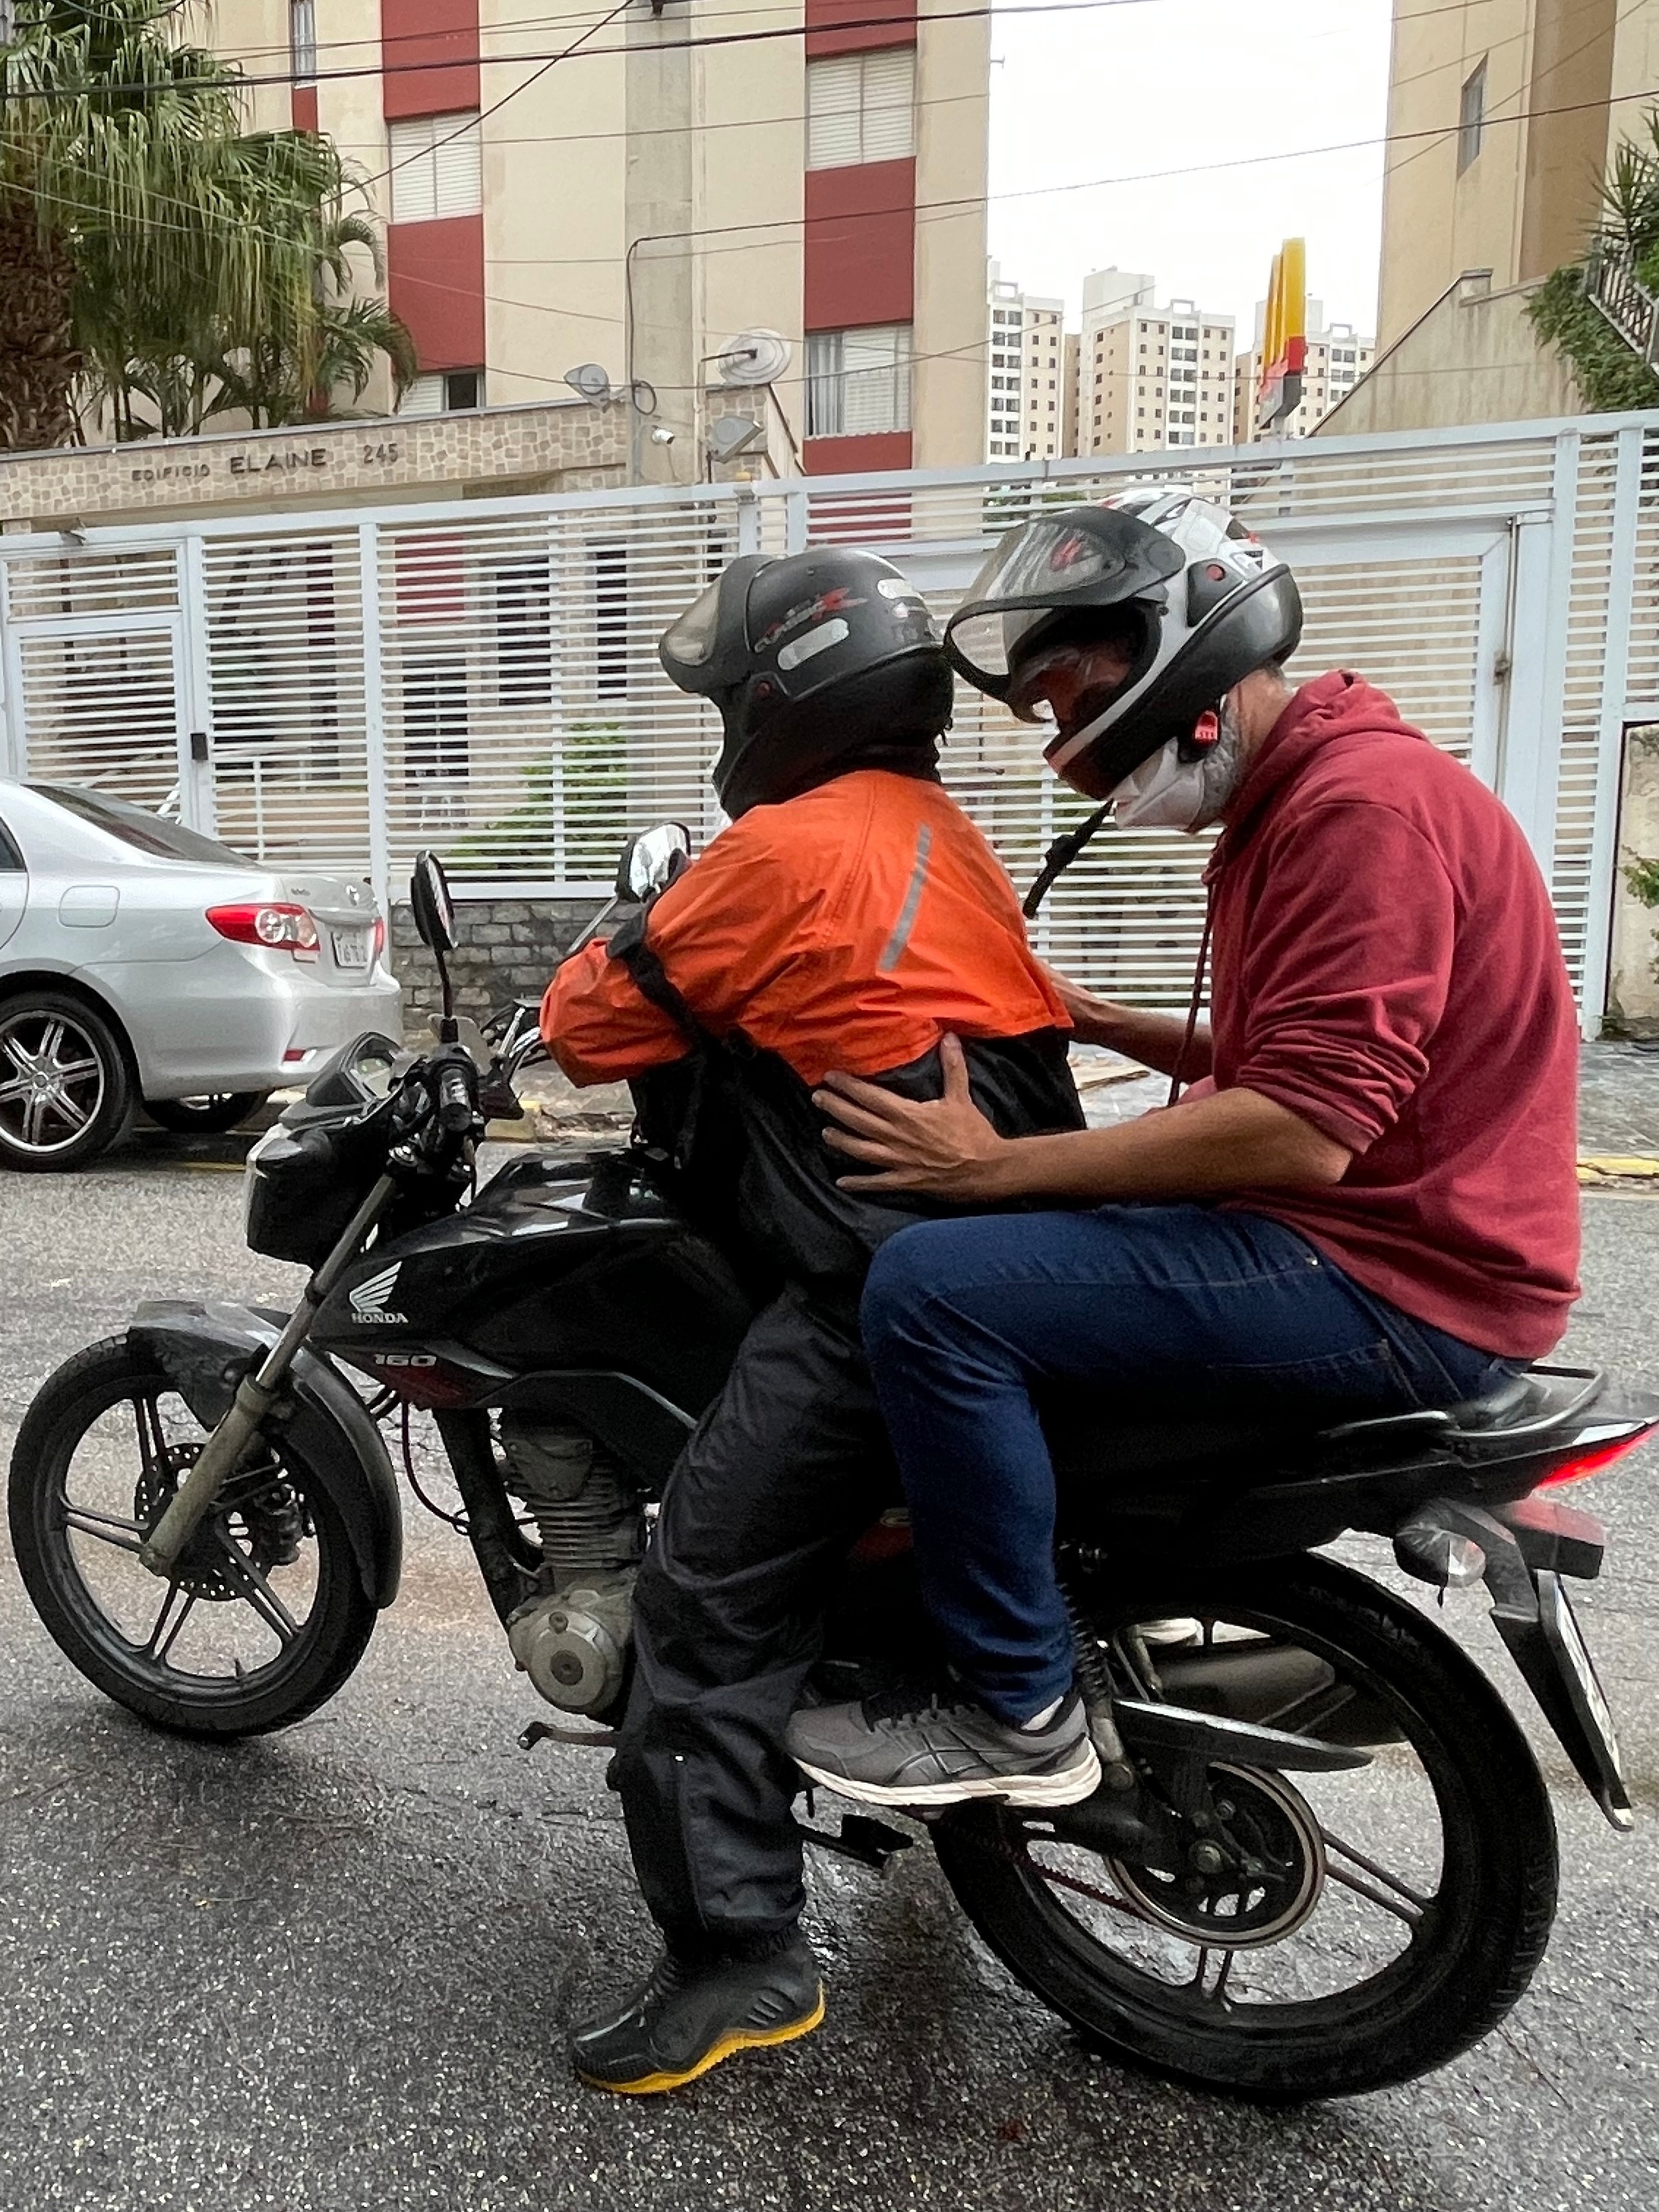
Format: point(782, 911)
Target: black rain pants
point(787, 1469)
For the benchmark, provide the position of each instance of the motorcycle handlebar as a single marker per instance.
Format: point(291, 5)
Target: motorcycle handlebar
point(456, 1105)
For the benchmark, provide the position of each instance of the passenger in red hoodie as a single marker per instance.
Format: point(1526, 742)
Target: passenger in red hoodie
point(1365, 1200)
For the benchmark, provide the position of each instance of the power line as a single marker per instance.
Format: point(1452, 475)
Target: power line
point(475, 122)
point(940, 210)
point(697, 44)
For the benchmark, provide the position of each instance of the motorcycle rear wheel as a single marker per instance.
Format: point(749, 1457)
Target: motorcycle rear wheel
point(1474, 1939)
point(246, 1639)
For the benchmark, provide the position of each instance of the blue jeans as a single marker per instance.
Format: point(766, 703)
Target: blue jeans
point(963, 1319)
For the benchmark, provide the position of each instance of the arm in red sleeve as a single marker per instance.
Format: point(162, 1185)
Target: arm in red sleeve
point(1345, 972)
point(720, 932)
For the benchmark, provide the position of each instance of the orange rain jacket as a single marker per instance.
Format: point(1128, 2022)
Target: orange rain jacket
point(849, 928)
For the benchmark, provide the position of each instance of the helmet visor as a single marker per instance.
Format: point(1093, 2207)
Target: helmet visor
point(1047, 565)
point(1071, 683)
point(690, 640)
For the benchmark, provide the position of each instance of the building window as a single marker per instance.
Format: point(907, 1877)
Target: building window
point(861, 107)
point(436, 167)
point(435, 718)
point(609, 619)
point(858, 382)
point(1471, 117)
point(301, 38)
point(444, 391)
point(523, 633)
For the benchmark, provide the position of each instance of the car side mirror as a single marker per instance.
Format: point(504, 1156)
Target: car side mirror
point(651, 860)
point(433, 908)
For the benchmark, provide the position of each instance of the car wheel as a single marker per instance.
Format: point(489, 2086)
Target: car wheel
point(206, 1116)
point(66, 1092)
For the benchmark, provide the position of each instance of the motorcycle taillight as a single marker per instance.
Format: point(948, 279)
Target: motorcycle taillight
point(1592, 1462)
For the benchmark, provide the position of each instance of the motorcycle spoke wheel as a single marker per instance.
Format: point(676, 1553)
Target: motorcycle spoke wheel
point(264, 1613)
point(231, 1613)
point(1367, 1925)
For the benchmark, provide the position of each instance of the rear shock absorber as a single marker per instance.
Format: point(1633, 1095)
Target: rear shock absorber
point(1094, 1683)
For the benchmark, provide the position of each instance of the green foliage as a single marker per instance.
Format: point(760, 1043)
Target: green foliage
point(1610, 373)
point(584, 786)
point(1642, 880)
point(154, 252)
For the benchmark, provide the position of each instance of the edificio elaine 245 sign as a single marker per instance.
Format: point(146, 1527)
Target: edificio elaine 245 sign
point(292, 460)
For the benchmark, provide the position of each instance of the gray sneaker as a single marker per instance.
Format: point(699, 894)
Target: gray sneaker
point(934, 1746)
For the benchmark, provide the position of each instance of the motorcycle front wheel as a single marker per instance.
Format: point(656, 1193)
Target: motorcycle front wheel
point(1394, 1915)
point(265, 1616)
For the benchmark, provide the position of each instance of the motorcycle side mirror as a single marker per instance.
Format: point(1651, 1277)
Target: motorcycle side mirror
point(434, 906)
point(651, 860)
point(433, 909)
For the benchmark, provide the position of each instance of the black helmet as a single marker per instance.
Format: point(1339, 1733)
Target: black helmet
point(819, 663)
point(1196, 599)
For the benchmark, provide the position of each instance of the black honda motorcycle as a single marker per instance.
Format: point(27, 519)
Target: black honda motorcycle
point(1321, 1857)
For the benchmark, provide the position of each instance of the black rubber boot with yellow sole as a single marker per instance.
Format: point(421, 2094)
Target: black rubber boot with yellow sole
point(690, 2013)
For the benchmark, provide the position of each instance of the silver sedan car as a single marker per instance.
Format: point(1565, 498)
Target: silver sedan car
point(142, 963)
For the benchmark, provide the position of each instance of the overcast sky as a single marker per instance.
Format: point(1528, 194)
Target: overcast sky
point(1116, 91)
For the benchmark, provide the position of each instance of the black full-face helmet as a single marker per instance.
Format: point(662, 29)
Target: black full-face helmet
point(819, 663)
point(1193, 598)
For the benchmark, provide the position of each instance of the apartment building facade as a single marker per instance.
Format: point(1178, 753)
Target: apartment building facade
point(1503, 117)
point(1025, 341)
point(637, 199)
point(1149, 377)
point(1338, 356)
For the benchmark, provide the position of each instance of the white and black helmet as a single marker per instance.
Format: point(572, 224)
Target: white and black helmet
point(1195, 599)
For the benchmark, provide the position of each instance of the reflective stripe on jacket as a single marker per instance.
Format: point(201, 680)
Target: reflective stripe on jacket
point(850, 927)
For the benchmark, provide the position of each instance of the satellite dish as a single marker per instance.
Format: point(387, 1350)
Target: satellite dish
point(754, 357)
point(732, 435)
point(590, 381)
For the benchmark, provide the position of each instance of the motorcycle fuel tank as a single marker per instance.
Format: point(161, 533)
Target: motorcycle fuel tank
point(564, 1262)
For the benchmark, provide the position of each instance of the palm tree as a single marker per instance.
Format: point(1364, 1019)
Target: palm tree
point(144, 236)
point(175, 381)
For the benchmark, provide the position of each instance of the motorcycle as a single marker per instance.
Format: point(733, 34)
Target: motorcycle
point(1321, 1858)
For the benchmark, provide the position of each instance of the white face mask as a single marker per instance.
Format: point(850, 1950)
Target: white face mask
point(1167, 793)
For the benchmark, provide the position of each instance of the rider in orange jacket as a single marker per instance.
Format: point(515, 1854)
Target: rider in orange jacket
point(851, 917)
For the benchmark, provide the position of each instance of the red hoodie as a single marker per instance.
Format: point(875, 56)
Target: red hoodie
point(1387, 965)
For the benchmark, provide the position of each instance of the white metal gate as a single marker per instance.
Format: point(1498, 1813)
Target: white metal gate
point(343, 688)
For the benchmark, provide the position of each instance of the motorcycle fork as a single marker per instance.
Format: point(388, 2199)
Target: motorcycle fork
point(256, 1394)
point(508, 1565)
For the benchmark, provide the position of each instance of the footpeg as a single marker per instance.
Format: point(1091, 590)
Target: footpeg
point(872, 1842)
point(550, 1732)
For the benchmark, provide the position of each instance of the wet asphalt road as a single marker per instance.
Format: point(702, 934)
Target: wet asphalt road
point(333, 1970)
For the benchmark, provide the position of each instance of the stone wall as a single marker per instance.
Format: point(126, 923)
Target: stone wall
point(489, 452)
point(508, 948)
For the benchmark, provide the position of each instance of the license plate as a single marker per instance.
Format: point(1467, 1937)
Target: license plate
point(1565, 1640)
point(350, 947)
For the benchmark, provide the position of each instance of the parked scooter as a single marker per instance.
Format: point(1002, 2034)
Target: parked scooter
point(1321, 1858)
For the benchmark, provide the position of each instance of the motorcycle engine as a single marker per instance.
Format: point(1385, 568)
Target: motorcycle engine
point(572, 1638)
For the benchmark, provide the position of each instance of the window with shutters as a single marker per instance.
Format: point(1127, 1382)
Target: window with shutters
point(860, 107)
point(858, 382)
point(436, 167)
point(302, 41)
point(443, 392)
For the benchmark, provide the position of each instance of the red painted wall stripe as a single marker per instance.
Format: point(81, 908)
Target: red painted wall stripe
point(826, 20)
point(435, 281)
point(838, 457)
point(860, 246)
point(429, 31)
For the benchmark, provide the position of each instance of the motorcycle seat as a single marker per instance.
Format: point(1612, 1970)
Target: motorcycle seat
point(1248, 1444)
